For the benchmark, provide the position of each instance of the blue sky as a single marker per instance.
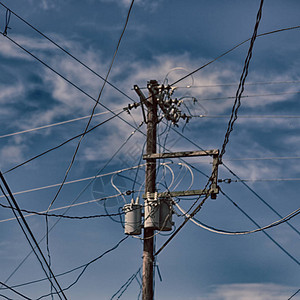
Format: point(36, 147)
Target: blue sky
point(163, 40)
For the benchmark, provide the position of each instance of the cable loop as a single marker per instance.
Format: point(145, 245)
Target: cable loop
point(7, 20)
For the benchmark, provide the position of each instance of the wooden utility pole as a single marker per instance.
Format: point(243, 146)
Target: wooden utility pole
point(150, 187)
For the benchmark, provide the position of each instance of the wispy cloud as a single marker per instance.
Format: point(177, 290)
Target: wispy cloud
point(249, 291)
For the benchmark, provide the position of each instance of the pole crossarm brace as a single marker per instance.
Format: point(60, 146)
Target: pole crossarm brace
point(214, 189)
point(182, 154)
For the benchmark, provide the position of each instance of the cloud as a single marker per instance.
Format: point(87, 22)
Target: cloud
point(249, 291)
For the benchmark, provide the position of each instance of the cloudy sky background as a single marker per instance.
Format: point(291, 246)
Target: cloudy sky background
point(163, 40)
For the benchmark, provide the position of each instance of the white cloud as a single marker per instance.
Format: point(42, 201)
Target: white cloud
point(250, 291)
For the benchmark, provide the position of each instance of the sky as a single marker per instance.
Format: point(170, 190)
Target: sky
point(163, 41)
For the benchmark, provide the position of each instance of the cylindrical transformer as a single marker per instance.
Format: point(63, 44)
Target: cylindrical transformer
point(133, 218)
point(151, 214)
point(165, 214)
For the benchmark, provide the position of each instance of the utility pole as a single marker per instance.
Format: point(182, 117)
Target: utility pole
point(150, 187)
point(158, 206)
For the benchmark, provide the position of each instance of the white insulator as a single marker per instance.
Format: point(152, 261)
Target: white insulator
point(133, 218)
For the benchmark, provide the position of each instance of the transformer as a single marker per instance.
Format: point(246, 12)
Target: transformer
point(165, 214)
point(133, 218)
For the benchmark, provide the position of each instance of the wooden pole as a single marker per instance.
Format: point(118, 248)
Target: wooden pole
point(148, 253)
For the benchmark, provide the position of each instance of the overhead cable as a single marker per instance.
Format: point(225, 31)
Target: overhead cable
point(13, 290)
point(94, 108)
point(230, 50)
point(256, 224)
point(53, 124)
point(31, 238)
point(240, 90)
point(226, 232)
point(79, 195)
point(260, 198)
point(62, 144)
point(65, 51)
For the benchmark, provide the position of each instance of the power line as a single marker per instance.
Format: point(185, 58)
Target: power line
point(125, 286)
point(15, 208)
point(65, 51)
point(226, 232)
point(256, 224)
point(13, 290)
point(34, 213)
point(62, 144)
point(262, 158)
point(94, 108)
point(240, 90)
point(53, 124)
point(247, 96)
point(79, 195)
point(84, 266)
point(230, 50)
point(294, 294)
point(235, 84)
point(77, 180)
point(259, 197)
point(248, 116)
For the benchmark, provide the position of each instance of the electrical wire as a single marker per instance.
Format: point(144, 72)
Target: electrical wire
point(230, 50)
point(259, 197)
point(42, 213)
point(65, 51)
point(31, 240)
point(78, 196)
point(235, 84)
point(13, 290)
point(77, 180)
point(294, 294)
point(61, 144)
point(240, 90)
point(94, 108)
point(126, 285)
point(226, 232)
point(53, 124)
point(248, 116)
point(247, 96)
point(257, 225)
point(84, 267)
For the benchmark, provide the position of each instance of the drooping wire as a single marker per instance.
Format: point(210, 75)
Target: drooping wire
point(257, 225)
point(85, 266)
point(227, 232)
point(79, 195)
point(260, 198)
point(30, 237)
